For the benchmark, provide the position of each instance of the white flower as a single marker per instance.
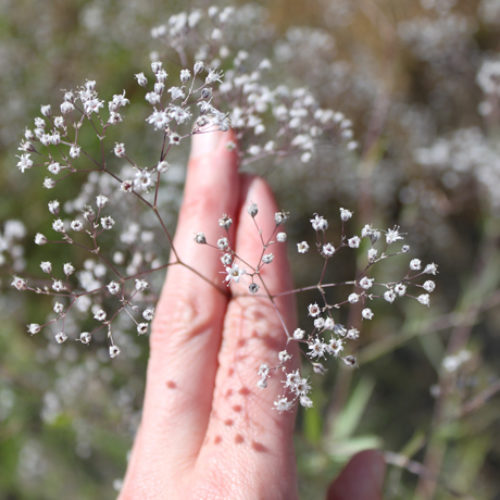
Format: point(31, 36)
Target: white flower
point(54, 168)
point(282, 404)
point(107, 222)
point(185, 75)
point(148, 313)
point(431, 269)
point(392, 235)
point(61, 337)
point(354, 242)
point(253, 209)
point(390, 296)
point(49, 183)
point(142, 180)
point(353, 334)
point(53, 207)
point(400, 289)
point(366, 283)
point(349, 360)
point(335, 346)
point(284, 356)
point(58, 226)
point(158, 119)
point(85, 337)
point(306, 401)
point(329, 324)
point(162, 166)
point(58, 286)
point(141, 285)
point(141, 79)
point(367, 231)
point(222, 243)
point(319, 223)
point(92, 106)
point(213, 76)
point(319, 323)
point(198, 67)
point(267, 258)
point(76, 225)
point(33, 328)
point(302, 247)
point(424, 299)
point(19, 283)
point(45, 110)
point(226, 259)
point(317, 348)
point(281, 237)
point(176, 93)
point(66, 107)
point(367, 313)
point(40, 239)
point(353, 298)
point(74, 151)
point(100, 315)
point(280, 217)
point(142, 328)
point(328, 249)
point(200, 238)
point(46, 267)
point(113, 351)
point(225, 221)
point(429, 286)
point(25, 162)
point(119, 150)
point(313, 310)
point(415, 264)
point(372, 254)
point(101, 200)
point(68, 268)
point(113, 287)
point(234, 273)
point(298, 334)
point(345, 214)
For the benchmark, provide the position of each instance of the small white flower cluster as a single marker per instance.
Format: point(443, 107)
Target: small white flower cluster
point(298, 119)
point(465, 156)
point(325, 337)
point(11, 249)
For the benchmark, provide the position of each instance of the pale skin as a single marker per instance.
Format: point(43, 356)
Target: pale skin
point(207, 430)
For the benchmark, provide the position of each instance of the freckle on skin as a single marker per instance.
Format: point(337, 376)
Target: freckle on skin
point(258, 446)
point(171, 384)
point(237, 408)
point(238, 439)
point(217, 440)
point(228, 422)
point(244, 391)
point(229, 393)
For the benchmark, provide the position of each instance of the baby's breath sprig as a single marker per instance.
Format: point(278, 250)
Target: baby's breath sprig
point(117, 224)
point(323, 337)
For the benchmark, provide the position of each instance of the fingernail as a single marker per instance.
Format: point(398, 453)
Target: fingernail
point(204, 143)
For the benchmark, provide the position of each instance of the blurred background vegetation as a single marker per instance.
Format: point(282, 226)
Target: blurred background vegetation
point(405, 72)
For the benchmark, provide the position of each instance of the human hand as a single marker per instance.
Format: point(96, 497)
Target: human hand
point(207, 430)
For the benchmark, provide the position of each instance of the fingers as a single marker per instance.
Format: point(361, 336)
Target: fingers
point(362, 478)
point(188, 320)
point(244, 429)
